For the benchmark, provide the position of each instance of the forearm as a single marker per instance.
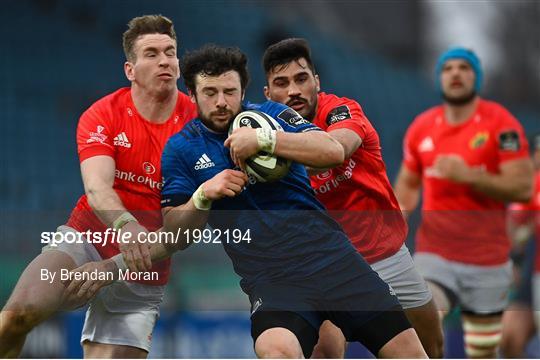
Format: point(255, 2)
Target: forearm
point(106, 204)
point(315, 149)
point(183, 217)
point(500, 187)
point(407, 190)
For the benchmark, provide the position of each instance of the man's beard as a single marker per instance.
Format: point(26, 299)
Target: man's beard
point(208, 122)
point(460, 100)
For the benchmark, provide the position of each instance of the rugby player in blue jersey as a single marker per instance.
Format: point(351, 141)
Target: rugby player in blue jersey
point(297, 267)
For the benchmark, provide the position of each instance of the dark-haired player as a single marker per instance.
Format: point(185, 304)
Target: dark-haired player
point(298, 267)
point(120, 139)
point(470, 156)
point(357, 191)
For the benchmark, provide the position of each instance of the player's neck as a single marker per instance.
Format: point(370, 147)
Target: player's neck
point(457, 114)
point(156, 108)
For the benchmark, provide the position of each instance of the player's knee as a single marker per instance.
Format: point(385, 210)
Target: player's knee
point(511, 349)
point(327, 351)
point(481, 340)
point(18, 322)
point(279, 351)
point(274, 346)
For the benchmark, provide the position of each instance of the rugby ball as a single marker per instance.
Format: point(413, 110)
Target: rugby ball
point(263, 166)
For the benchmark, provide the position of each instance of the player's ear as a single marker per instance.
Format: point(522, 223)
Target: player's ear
point(128, 70)
point(266, 91)
point(243, 94)
point(318, 82)
point(192, 96)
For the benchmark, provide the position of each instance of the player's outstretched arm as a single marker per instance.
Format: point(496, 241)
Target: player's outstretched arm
point(407, 190)
point(98, 178)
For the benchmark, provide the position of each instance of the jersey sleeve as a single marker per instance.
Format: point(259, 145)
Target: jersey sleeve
point(511, 140)
point(289, 119)
point(411, 158)
point(346, 114)
point(94, 134)
point(178, 181)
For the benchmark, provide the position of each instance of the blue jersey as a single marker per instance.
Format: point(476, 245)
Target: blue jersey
point(291, 234)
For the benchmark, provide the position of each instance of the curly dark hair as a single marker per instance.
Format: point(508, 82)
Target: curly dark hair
point(285, 51)
point(213, 60)
point(142, 25)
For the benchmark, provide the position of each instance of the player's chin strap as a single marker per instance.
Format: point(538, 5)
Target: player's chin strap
point(200, 200)
point(481, 340)
point(266, 138)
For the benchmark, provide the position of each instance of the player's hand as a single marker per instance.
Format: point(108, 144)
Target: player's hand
point(453, 167)
point(242, 144)
point(136, 253)
point(78, 292)
point(227, 183)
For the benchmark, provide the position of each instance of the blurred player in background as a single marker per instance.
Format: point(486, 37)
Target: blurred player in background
point(298, 268)
point(120, 139)
point(523, 223)
point(470, 156)
point(357, 192)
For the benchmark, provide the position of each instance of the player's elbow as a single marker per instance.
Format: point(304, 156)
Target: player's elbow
point(524, 192)
point(92, 195)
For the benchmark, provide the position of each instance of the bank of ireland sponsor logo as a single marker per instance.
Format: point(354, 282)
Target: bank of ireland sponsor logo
point(149, 168)
point(325, 175)
point(333, 178)
point(139, 179)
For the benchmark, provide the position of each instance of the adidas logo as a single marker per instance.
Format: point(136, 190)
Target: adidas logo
point(426, 145)
point(204, 162)
point(121, 140)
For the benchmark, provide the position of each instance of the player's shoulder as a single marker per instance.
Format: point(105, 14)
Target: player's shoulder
point(113, 100)
point(269, 107)
point(280, 112)
point(108, 104)
point(190, 132)
point(332, 108)
point(427, 118)
point(332, 100)
point(497, 114)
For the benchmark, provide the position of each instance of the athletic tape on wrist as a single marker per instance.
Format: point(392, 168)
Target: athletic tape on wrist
point(119, 261)
point(200, 200)
point(123, 220)
point(266, 138)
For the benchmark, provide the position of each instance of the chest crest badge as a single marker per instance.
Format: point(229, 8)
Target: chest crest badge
point(479, 140)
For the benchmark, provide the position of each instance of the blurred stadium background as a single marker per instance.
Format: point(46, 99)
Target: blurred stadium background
point(59, 56)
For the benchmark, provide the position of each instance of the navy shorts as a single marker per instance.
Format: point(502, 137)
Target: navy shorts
point(348, 293)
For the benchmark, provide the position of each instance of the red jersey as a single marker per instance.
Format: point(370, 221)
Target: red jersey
point(358, 193)
point(459, 223)
point(113, 127)
point(530, 212)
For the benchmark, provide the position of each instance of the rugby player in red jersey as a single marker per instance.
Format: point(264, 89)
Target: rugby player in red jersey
point(357, 193)
point(470, 156)
point(520, 320)
point(120, 139)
